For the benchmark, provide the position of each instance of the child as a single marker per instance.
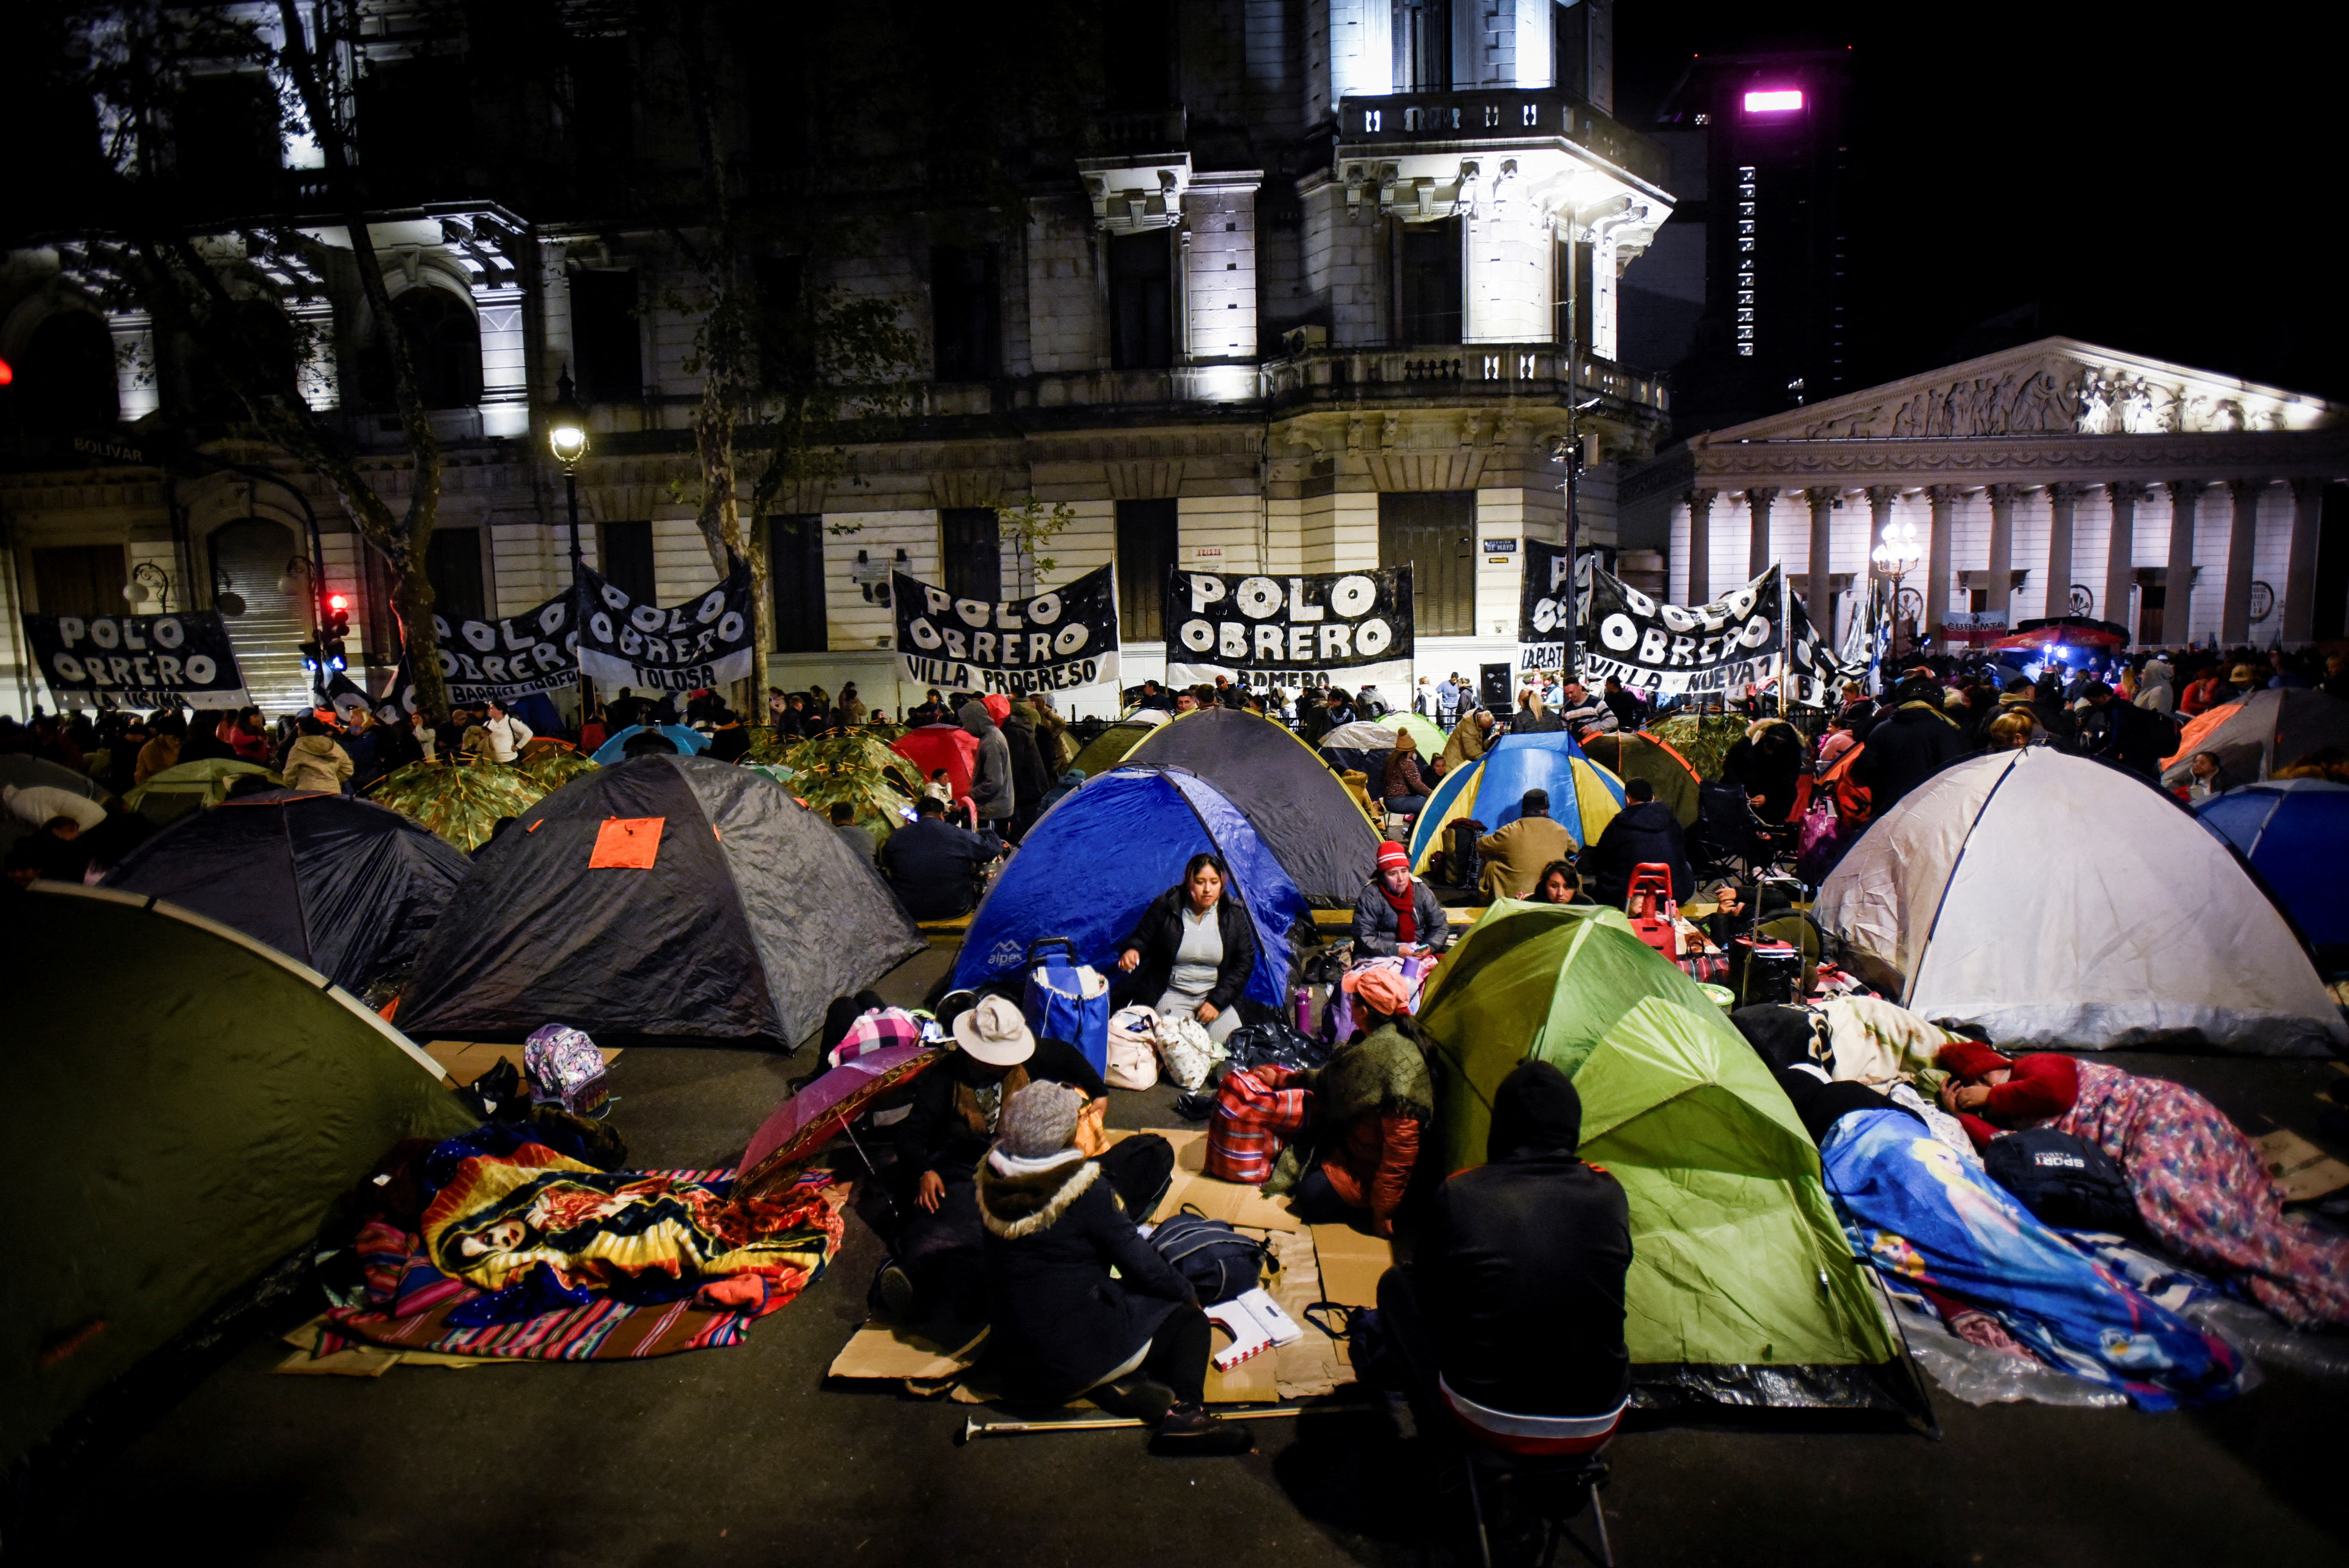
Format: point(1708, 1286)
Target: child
point(939, 789)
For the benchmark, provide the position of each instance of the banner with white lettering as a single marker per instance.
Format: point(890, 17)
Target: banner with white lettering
point(703, 642)
point(492, 661)
point(1347, 628)
point(137, 661)
point(1813, 676)
point(1541, 611)
point(1054, 642)
point(1681, 649)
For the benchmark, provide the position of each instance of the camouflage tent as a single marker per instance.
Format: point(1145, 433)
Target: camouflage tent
point(551, 763)
point(1702, 739)
point(855, 766)
point(460, 801)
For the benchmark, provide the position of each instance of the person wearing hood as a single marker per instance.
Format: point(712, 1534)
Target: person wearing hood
point(1064, 786)
point(1766, 762)
point(1028, 779)
point(1396, 913)
point(1917, 741)
point(1644, 832)
point(1371, 1105)
point(991, 789)
point(1508, 1321)
point(316, 762)
point(2155, 687)
point(1468, 739)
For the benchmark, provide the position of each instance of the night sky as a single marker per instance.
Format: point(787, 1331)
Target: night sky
point(2160, 179)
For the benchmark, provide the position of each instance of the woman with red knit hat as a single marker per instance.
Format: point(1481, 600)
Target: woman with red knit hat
point(1397, 914)
point(2200, 1184)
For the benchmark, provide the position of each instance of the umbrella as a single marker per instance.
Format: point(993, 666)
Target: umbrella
point(811, 1117)
point(2066, 631)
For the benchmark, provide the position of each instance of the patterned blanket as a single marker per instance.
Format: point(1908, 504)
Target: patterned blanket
point(533, 1256)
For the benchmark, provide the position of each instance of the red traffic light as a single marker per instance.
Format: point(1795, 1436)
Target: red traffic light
point(7, 372)
point(336, 602)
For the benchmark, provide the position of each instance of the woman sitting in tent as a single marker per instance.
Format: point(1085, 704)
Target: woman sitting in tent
point(2200, 1184)
point(1193, 949)
point(1370, 1105)
point(1397, 914)
point(1403, 789)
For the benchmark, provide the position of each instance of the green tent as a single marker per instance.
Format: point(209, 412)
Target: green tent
point(185, 1104)
point(1737, 1260)
point(1703, 739)
point(1425, 731)
point(177, 792)
point(1107, 749)
point(1632, 754)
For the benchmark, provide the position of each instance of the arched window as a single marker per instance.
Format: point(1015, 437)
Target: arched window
point(65, 378)
point(445, 341)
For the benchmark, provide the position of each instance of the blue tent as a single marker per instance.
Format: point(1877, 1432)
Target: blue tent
point(2295, 833)
point(1092, 864)
point(1583, 796)
point(613, 752)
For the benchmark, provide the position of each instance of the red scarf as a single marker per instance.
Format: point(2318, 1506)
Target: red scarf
point(1406, 921)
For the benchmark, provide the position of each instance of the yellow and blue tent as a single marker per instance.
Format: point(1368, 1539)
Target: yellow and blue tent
point(1583, 796)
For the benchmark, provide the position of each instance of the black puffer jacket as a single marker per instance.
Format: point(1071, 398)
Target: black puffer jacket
point(1062, 1323)
point(1915, 743)
point(1159, 933)
point(1646, 833)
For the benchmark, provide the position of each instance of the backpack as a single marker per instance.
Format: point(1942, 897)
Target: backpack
point(2068, 1183)
point(565, 1068)
point(1218, 1260)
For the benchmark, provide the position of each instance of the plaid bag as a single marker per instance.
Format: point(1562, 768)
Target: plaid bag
point(1250, 1123)
point(877, 1031)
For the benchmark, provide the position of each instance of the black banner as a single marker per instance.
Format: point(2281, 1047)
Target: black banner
point(1541, 610)
point(1263, 630)
point(703, 642)
point(1053, 641)
point(1675, 649)
point(1814, 678)
point(137, 661)
point(492, 661)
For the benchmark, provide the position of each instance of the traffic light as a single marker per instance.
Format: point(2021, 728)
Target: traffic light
point(333, 626)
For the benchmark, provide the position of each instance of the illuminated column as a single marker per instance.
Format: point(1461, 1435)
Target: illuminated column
point(2300, 573)
point(2060, 502)
point(2119, 573)
point(2000, 599)
point(2235, 614)
point(1936, 560)
point(1880, 517)
point(1818, 593)
point(2178, 577)
point(1758, 555)
point(1700, 572)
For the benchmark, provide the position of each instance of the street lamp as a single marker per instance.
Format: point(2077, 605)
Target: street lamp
point(1900, 551)
point(566, 438)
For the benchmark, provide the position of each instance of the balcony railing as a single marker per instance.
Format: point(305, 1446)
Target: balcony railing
point(1501, 115)
point(1117, 130)
point(1468, 370)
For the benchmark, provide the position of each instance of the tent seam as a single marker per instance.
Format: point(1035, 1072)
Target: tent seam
point(1956, 864)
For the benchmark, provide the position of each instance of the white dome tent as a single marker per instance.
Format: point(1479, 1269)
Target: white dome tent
point(2053, 900)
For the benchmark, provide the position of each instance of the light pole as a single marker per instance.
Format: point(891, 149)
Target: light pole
point(566, 437)
point(1568, 452)
point(1896, 555)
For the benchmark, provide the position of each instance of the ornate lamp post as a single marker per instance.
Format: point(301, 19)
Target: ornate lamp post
point(1900, 551)
point(566, 438)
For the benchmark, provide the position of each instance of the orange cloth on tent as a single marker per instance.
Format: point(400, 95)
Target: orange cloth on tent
point(629, 842)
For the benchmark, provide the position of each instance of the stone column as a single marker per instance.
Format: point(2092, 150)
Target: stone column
point(2062, 500)
point(1818, 593)
point(1700, 572)
point(2300, 574)
point(2178, 577)
point(2001, 547)
point(2120, 554)
point(1937, 561)
point(1758, 555)
point(2235, 616)
point(1880, 517)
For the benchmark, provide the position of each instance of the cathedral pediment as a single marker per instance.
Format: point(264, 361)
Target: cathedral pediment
point(2054, 386)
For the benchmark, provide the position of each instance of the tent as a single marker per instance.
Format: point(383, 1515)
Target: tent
point(2295, 833)
point(346, 886)
point(1107, 749)
point(1631, 754)
point(1092, 863)
point(1379, 734)
point(858, 766)
point(931, 747)
point(688, 742)
point(1583, 796)
point(175, 792)
point(551, 763)
point(462, 802)
point(1702, 739)
point(21, 772)
point(667, 897)
point(1737, 1261)
point(2267, 730)
point(233, 1095)
point(1304, 816)
point(2054, 900)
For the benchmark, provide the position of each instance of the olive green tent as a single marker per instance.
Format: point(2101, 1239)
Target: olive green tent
point(182, 1105)
point(1631, 754)
point(1107, 749)
point(175, 792)
point(1741, 1278)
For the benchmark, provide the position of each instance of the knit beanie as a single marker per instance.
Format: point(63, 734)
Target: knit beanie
point(1040, 1120)
point(1394, 857)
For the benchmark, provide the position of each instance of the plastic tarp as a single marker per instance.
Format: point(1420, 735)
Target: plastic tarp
point(346, 886)
point(1630, 753)
point(2295, 833)
point(182, 1105)
point(1583, 797)
point(1737, 1258)
point(1092, 864)
point(935, 745)
point(1107, 749)
point(1289, 795)
point(2053, 900)
point(21, 772)
point(751, 917)
point(2267, 730)
point(689, 741)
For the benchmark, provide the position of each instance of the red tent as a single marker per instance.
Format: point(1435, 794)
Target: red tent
point(935, 745)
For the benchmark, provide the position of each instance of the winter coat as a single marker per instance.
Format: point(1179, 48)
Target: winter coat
point(2131, 737)
point(1401, 776)
point(1646, 833)
point(1535, 720)
point(1062, 1323)
point(990, 771)
point(1516, 853)
point(1915, 743)
point(158, 754)
point(1467, 743)
point(1159, 933)
point(317, 763)
point(1028, 779)
point(729, 743)
point(1767, 765)
point(2156, 693)
point(507, 736)
point(933, 867)
point(1371, 1102)
point(1376, 923)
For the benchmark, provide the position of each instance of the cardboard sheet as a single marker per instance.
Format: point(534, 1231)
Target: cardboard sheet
point(1225, 1200)
point(921, 1351)
point(463, 1061)
point(2305, 1170)
point(1351, 1263)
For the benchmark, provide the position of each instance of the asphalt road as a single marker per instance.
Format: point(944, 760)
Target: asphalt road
point(746, 1456)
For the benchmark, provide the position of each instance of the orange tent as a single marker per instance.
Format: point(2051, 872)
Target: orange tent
point(2200, 725)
